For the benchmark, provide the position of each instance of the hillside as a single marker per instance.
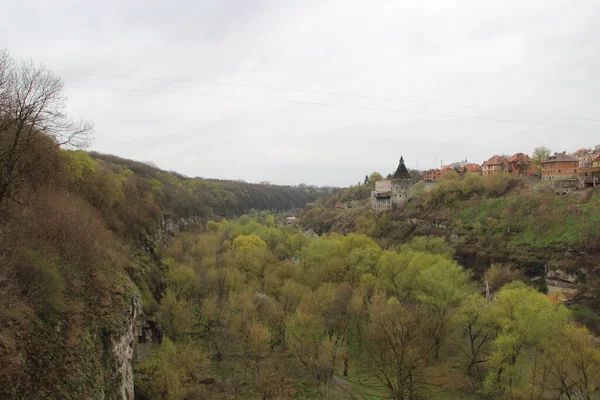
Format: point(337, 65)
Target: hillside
point(521, 224)
point(73, 273)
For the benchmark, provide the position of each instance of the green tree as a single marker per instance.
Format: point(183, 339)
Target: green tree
point(528, 323)
point(478, 326)
point(397, 348)
point(170, 371)
point(374, 177)
point(540, 154)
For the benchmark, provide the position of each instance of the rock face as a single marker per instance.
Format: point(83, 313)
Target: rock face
point(169, 226)
point(124, 347)
point(134, 344)
point(561, 281)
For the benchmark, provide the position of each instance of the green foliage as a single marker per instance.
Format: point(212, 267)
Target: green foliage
point(170, 371)
point(528, 321)
point(42, 281)
point(533, 219)
point(453, 188)
point(540, 154)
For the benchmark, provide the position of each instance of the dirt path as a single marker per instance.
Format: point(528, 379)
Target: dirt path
point(338, 380)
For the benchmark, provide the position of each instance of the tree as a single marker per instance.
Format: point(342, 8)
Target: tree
point(540, 154)
point(375, 176)
point(366, 179)
point(170, 370)
point(397, 348)
point(33, 124)
point(478, 326)
point(528, 323)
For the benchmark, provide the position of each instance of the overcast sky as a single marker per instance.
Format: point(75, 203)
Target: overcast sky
point(413, 61)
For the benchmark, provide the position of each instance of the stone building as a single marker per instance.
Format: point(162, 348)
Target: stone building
point(396, 190)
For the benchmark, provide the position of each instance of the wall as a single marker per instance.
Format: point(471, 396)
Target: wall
point(560, 170)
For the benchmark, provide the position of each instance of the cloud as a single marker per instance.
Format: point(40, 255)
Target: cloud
point(527, 56)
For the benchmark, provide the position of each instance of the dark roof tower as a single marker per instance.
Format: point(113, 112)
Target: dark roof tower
point(401, 172)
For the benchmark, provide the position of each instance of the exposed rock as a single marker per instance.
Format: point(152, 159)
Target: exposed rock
point(561, 281)
point(149, 336)
point(124, 345)
point(169, 226)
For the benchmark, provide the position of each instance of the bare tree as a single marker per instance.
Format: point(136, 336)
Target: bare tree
point(33, 124)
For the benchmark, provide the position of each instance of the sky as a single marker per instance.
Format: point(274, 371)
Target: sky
point(318, 92)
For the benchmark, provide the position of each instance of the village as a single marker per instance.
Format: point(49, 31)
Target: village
point(580, 164)
point(566, 172)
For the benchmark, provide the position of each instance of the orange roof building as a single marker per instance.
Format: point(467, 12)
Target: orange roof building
point(521, 164)
point(495, 166)
point(560, 166)
point(473, 168)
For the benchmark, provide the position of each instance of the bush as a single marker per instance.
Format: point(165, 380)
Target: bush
point(453, 187)
point(41, 282)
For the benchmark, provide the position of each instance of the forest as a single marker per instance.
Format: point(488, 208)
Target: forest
point(256, 311)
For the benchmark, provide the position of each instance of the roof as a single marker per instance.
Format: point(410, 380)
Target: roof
point(472, 167)
point(447, 168)
point(558, 157)
point(581, 151)
point(520, 158)
point(496, 160)
point(401, 172)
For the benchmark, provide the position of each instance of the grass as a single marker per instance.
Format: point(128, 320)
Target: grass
point(532, 218)
point(583, 311)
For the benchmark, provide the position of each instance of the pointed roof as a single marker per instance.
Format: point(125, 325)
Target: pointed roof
point(401, 172)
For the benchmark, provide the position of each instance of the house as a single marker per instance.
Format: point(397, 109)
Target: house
point(339, 204)
point(461, 168)
point(447, 169)
point(591, 174)
point(432, 175)
point(396, 190)
point(494, 166)
point(560, 166)
point(472, 168)
point(291, 220)
point(521, 164)
point(584, 156)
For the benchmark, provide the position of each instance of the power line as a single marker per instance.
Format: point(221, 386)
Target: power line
point(332, 105)
point(329, 94)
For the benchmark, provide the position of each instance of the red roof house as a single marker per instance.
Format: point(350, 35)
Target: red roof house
point(495, 166)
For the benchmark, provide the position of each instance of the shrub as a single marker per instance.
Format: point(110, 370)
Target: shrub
point(41, 282)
